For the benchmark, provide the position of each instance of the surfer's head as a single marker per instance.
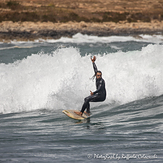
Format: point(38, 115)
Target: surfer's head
point(98, 74)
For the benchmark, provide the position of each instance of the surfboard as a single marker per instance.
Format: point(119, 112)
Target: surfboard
point(73, 115)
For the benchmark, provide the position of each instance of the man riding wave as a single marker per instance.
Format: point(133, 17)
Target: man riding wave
point(96, 96)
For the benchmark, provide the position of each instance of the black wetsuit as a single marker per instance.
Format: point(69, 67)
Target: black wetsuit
point(98, 95)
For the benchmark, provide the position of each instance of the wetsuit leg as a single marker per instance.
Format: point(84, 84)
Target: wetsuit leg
point(88, 108)
point(93, 98)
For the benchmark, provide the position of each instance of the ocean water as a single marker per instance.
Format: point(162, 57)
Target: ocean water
point(39, 79)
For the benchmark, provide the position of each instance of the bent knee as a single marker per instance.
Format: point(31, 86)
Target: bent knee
point(86, 99)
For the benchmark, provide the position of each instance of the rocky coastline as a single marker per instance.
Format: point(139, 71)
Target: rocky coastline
point(47, 30)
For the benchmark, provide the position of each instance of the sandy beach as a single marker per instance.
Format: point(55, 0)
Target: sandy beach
point(49, 30)
point(33, 19)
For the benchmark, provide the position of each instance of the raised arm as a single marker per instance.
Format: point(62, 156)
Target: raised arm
point(94, 67)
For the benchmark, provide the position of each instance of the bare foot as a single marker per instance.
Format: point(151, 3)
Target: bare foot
point(87, 113)
point(78, 113)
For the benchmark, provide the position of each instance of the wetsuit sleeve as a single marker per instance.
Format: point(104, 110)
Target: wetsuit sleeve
point(99, 87)
point(95, 67)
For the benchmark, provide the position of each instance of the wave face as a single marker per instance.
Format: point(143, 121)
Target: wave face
point(61, 79)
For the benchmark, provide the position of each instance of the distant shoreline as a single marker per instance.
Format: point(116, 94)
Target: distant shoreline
point(24, 31)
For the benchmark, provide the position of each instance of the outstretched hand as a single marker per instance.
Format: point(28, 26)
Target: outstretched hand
point(93, 59)
point(91, 93)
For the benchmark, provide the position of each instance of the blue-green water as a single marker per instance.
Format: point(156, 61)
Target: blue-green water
point(40, 79)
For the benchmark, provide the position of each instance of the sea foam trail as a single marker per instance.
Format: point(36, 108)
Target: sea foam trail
point(80, 38)
point(61, 80)
point(84, 38)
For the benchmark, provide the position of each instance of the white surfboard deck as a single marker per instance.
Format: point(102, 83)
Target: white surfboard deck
point(71, 114)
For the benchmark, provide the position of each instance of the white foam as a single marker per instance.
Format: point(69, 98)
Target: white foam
point(84, 38)
point(80, 38)
point(61, 80)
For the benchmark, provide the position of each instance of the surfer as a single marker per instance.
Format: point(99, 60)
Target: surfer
point(96, 96)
